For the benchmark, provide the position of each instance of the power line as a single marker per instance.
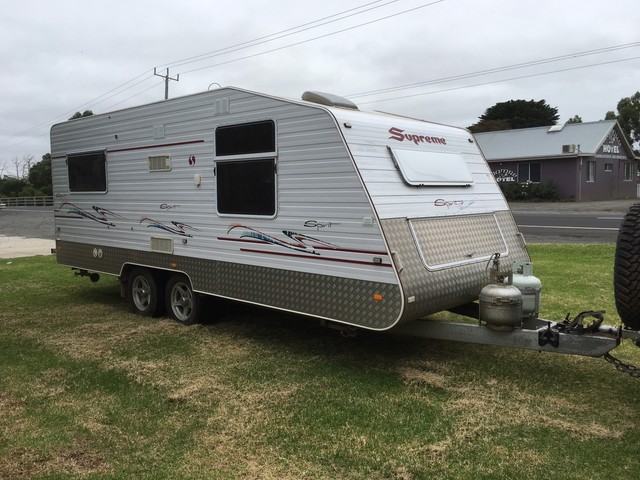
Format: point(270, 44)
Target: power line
point(495, 70)
point(367, 7)
point(278, 35)
point(148, 75)
point(66, 115)
point(315, 38)
point(135, 95)
point(499, 81)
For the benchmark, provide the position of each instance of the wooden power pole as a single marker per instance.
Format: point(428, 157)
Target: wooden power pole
point(166, 81)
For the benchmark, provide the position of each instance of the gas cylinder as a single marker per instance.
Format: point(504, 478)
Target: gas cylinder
point(530, 287)
point(501, 306)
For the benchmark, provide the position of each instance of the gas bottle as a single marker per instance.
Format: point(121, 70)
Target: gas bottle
point(530, 287)
point(501, 306)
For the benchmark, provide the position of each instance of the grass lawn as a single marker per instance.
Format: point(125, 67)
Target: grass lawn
point(89, 390)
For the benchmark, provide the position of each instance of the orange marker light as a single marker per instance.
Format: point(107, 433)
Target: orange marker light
point(377, 297)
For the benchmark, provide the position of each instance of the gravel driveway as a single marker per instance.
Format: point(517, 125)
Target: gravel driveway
point(26, 231)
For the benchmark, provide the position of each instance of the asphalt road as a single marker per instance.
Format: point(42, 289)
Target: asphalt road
point(27, 222)
point(569, 227)
point(570, 222)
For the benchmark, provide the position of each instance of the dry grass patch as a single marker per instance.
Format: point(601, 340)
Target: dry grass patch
point(27, 463)
point(89, 390)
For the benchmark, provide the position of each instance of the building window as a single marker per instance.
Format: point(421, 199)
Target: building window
point(608, 167)
point(529, 172)
point(246, 169)
point(628, 172)
point(591, 171)
point(87, 172)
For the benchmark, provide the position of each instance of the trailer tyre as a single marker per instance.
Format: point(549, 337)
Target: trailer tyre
point(142, 293)
point(626, 272)
point(183, 304)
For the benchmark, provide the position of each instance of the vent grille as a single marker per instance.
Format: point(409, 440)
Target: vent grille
point(160, 163)
point(161, 245)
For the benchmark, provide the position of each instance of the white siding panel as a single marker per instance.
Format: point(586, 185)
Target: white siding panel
point(320, 193)
point(369, 138)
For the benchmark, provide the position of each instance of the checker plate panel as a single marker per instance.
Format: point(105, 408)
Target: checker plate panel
point(340, 299)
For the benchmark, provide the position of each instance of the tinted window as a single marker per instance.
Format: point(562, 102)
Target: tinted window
point(529, 172)
point(258, 137)
point(523, 172)
point(87, 172)
point(534, 172)
point(246, 187)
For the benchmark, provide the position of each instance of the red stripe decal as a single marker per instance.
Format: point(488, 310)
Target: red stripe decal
point(329, 249)
point(148, 147)
point(308, 257)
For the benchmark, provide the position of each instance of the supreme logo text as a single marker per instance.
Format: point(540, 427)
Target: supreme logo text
point(398, 134)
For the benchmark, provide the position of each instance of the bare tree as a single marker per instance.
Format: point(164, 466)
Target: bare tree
point(22, 166)
point(17, 164)
point(27, 163)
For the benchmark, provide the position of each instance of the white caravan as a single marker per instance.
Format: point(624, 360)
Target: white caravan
point(311, 206)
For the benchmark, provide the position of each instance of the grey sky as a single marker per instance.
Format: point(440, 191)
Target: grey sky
point(65, 56)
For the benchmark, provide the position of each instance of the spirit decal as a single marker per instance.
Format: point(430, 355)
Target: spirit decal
point(99, 214)
point(459, 205)
point(177, 228)
point(106, 217)
point(294, 244)
point(301, 242)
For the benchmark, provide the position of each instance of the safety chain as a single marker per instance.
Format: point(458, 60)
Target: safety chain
point(621, 366)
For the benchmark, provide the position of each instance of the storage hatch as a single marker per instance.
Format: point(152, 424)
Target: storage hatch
point(447, 242)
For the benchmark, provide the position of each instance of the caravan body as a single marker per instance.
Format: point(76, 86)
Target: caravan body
point(309, 206)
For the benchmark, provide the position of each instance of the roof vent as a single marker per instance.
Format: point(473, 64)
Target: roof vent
point(569, 148)
point(328, 99)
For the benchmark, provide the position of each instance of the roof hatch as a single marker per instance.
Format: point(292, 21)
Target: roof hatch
point(328, 99)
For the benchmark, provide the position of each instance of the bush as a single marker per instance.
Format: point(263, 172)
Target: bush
point(518, 192)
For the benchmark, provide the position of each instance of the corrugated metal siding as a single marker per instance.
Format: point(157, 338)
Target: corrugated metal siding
point(540, 142)
point(316, 182)
point(368, 138)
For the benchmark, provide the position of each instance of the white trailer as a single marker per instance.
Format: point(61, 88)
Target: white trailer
point(311, 206)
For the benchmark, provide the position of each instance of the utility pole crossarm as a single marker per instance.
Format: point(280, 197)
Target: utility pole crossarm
point(166, 81)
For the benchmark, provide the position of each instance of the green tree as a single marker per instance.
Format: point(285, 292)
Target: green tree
point(515, 114)
point(86, 113)
point(575, 119)
point(610, 115)
point(40, 175)
point(629, 117)
point(11, 187)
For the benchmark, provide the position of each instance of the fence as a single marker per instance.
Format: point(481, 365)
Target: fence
point(41, 201)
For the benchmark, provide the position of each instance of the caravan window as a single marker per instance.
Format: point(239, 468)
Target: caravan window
point(246, 169)
point(247, 138)
point(87, 172)
point(246, 187)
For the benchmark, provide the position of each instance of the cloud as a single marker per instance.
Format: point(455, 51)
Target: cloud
point(71, 55)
